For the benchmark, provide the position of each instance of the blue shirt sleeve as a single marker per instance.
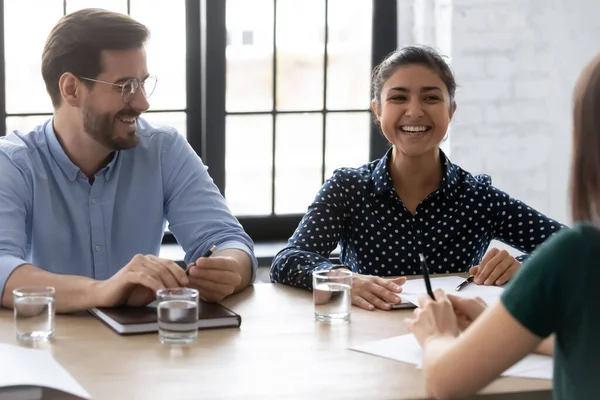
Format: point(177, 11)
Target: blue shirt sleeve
point(15, 195)
point(197, 212)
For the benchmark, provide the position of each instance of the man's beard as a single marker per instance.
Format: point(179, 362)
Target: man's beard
point(101, 127)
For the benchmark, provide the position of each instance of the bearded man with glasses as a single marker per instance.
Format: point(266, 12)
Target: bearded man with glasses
point(84, 198)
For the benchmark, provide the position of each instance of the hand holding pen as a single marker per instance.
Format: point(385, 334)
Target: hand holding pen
point(496, 268)
point(218, 273)
point(433, 318)
point(208, 253)
point(425, 271)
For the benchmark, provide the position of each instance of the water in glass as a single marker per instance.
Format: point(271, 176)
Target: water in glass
point(34, 317)
point(332, 301)
point(178, 321)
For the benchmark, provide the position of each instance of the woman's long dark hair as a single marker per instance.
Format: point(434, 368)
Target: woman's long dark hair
point(585, 163)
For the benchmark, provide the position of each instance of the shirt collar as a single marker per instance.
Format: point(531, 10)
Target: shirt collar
point(64, 162)
point(450, 177)
point(110, 167)
point(382, 181)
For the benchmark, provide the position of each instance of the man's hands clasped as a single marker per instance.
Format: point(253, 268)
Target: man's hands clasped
point(136, 284)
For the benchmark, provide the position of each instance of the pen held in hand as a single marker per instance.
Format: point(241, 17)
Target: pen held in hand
point(208, 253)
point(464, 284)
point(425, 271)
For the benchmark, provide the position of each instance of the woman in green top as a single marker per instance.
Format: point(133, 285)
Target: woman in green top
point(551, 305)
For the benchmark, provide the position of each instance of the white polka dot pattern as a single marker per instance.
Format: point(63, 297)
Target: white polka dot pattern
point(359, 209)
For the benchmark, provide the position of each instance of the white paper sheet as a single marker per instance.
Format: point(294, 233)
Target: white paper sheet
point(405, 348)
point(32, 367)
point(413, 288)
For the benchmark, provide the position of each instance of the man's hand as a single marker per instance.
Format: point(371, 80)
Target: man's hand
point(466, 309)
point(496, 268)
point(220, 275)
point(370, 292)
point(136, 283)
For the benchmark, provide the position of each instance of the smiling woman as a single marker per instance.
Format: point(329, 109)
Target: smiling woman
point(412, 201)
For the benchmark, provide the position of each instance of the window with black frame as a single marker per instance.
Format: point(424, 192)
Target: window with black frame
point(28, 104)
point(297, 103)
point(273, 94)
point(297, 99)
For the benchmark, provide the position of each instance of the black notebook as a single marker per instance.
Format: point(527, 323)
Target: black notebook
point(130, 320)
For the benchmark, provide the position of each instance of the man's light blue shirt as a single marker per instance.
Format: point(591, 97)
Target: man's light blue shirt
point(52, 217)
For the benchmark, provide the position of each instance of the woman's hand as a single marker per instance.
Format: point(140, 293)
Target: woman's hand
point(370, 292)
point(466, 310)
point(496, 268)
point(433, 318)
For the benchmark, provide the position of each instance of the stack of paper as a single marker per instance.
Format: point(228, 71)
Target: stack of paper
point(413, 288)
point(405, 348)
point(24, 372)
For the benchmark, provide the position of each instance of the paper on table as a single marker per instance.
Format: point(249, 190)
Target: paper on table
point(30, 367)
point(405, 348)
point(413, 288)
point(532, 366)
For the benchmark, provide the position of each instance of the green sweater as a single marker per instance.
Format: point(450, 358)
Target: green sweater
point(555, 292)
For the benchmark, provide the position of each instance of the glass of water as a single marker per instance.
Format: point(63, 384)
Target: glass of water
point(332, 295)
point(34, 312)
point(177, 310)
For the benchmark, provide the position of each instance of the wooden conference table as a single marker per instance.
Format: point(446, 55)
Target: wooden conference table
point(278, 352)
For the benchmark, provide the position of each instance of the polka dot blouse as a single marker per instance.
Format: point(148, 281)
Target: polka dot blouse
point(359, 209)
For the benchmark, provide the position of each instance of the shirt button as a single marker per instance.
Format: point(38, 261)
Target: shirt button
point(94, 200)
point(98, 247)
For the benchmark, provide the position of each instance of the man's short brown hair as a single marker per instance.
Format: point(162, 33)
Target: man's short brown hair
point(76, 43)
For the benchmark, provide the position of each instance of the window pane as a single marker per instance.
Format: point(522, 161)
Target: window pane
point(347, 141)
point(349, 54)
point(298, 161)
point(165, 50)
point(111, 5)
point(249, 55)
point(248, 163)
point(177, 120)
point(300, 52)
point(25, 124)
point(25, 88)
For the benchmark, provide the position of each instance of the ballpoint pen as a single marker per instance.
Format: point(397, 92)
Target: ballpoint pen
point(425, 271)
point(465, 283)
point(208, 253)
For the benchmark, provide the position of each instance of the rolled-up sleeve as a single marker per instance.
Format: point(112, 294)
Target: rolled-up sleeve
point(15, 194)
point(198, 214)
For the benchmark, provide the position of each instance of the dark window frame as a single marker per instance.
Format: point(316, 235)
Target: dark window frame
point(277, 227)
point(205, 120)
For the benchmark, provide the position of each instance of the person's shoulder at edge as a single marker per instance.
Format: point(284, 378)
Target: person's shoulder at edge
point(576, 238)
point(19, 146)
point(152, 135)
point(349, 176)
point(467, 179)
point(578, 241)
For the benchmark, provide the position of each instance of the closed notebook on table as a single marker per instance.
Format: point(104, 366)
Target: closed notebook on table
point(130, 320)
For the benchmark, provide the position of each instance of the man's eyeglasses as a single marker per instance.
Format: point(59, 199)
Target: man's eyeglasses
point(130, 86)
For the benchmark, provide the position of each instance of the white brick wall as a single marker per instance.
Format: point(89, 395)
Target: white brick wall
point(516, 62)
